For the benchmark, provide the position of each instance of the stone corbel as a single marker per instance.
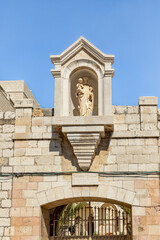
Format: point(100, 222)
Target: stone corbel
point(84, 134)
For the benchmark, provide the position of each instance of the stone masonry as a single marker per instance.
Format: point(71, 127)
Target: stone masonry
point(29, 144)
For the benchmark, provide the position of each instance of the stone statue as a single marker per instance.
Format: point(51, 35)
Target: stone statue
point(85, 96)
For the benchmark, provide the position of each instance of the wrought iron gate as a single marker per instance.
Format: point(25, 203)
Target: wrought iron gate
point(91, 221)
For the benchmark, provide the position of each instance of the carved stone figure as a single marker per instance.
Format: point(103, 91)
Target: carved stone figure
point(85, 96)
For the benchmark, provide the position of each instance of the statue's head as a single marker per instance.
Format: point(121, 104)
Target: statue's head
point(85, 80)
point(80, 80)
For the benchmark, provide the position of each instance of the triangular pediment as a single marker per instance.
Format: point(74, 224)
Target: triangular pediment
point(78, 46)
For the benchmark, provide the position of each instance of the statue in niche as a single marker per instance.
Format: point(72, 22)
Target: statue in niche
point(85, 96)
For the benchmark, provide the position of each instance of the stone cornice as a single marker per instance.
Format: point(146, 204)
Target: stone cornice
point(82, 43)
point(109, 73)
point(56, 73)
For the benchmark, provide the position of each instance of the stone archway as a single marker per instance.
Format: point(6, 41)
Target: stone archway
point(63, 195)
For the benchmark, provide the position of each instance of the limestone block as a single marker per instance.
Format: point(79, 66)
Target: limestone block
point(6, 203)
point(43, 143)
point(110, 168)
point(123, 167)
point(43, 160)
point(19, 112)
point(42, 198)
point(7, 153)
point(4, 212)
point(5, 145)
point(132, 118)
point(1, 115)
point(133, 127)
point(1, 231)
point(33, 151)
point(9, 115)
point(39, 129)
point(138, 211)
point(149, 149)
point(47, 121)
point(113, 142)
point(44, 186)
point(6, 185)
point(136, 141)
point(129, 185)
point(133, 109)
point(134, 149)
point(20, 129)
point(23, 103)
point(148, 101)
point(154, 229)
point(18, 152)
point(3, 194)
point(148, 126)
point(129, 197)
point(111, 159)
point(4, 222)
point(24, 161)
point(149, 118)
point(36, 135)
point(118, 149)
point(120, 109)
point(37, 121)
point(119, 118)
point(32, 202)
point(148, 109)
point(29, 193)
point(8, 128)
point(84, 179)
point(6, 169)
point(151, 141)
point(50, 179)
point(122, 142)
point(119, 127)
point(6, 137)
point(133, 167)
point(124, 159)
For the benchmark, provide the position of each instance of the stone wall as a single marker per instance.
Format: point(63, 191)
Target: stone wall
point(7, 126)
point(32, 147)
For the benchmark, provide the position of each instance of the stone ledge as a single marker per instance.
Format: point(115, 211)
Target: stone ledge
point(85, 179)
point(148, 101)
point(135, 134)
point(81, 120)
point(23, 103)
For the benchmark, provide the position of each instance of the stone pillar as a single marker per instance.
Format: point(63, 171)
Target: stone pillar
point(107, 92)
point(66, 96)
point(148, 113)
point(23, 119)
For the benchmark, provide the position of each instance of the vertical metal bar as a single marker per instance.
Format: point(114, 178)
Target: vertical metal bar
point(81, 221)
point(123, 220)
point(109, 220)
point(102, 221)
point(112, 222)
point(105, 232)
point(90, 220)
point(85, 220)
point(78, 221)
point(98, 221)
point(68, 223)
point(116, 222)
point(95, 217)
point(127, 223)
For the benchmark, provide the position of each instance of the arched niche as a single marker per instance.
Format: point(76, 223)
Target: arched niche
point(77, 73)
point(70, 74)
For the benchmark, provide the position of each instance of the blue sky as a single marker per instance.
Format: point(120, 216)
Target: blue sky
point(32, 30)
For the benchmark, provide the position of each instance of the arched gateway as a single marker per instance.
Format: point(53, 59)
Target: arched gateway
point(102, 212)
